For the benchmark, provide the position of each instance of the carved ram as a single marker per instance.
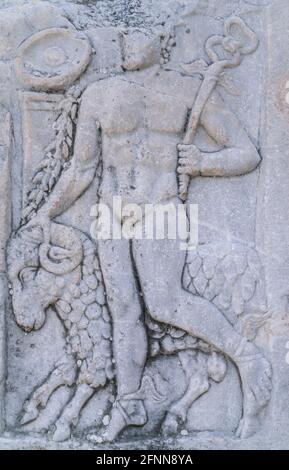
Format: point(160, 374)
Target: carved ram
point(66, 275)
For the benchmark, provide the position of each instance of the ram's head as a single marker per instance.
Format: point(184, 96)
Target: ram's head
point(39, 271)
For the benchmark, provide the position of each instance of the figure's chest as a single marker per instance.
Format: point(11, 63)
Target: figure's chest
point(130, 107)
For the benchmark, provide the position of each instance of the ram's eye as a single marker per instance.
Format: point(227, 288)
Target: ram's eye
point(27, 274)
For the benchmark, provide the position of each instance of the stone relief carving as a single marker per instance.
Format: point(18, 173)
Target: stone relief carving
point(127, 306)
point(58, 150)
point(75, 288)
point(5, 187)
point(52, 59)
point(211, 75)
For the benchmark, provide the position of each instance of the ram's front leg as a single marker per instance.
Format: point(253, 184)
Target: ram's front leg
point(71, 412)
point(63, 374)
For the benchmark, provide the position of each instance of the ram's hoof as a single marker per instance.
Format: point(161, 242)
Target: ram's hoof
point(31, 412)
point(62, 431)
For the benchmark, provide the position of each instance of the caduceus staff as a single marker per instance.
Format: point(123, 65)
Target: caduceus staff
point(211, 76)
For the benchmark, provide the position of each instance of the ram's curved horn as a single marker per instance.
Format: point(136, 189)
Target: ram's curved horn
point(64, 253)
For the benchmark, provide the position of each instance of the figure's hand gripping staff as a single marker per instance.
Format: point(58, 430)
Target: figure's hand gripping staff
point(211, 73)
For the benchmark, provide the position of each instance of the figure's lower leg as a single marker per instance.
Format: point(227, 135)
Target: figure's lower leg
point(129, 334)
point(169, 303)
point(203, 320)
point(130, 352)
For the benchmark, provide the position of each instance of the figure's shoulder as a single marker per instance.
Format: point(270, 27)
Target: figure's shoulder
point(178, 84)
point(103, 88)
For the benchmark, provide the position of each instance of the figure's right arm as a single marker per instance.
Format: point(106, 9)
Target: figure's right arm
point(87, 150)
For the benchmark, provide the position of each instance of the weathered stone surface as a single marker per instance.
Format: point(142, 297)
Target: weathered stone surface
point(120, 111)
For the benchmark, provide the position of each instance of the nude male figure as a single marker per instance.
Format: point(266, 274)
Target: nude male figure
point(134, 123)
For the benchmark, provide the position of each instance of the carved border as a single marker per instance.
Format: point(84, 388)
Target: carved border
point(5, 227)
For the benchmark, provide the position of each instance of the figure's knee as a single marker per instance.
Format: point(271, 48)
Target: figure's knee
point(158, 313)
point(124, 304)
point(161, 308)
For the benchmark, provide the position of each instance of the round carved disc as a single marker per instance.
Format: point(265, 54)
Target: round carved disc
point(52, 59)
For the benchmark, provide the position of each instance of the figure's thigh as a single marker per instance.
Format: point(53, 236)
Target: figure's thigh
point(119, 276)
point(160, 265)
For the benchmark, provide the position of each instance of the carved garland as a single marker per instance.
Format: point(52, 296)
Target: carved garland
point(57, 155)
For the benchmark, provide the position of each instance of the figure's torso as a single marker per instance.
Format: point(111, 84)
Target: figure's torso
point(142, 122)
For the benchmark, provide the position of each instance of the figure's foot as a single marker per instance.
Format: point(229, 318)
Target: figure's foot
point(124, 413)
point(62, 431)
point(256, 374)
